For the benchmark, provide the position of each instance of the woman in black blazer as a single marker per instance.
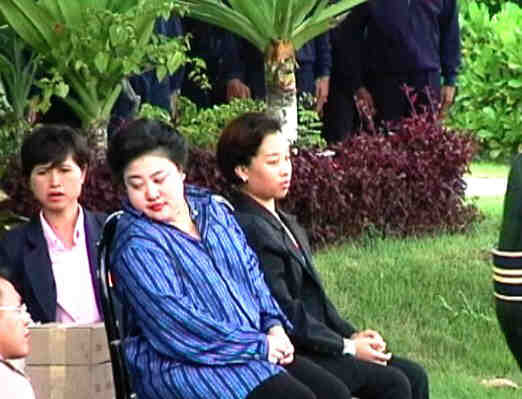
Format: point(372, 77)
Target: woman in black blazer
point(57, 283)
point(254, 156)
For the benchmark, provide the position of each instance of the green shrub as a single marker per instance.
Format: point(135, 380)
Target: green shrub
point(489, 101)
point(492, 5)
point(18, 66)
point(202, 126)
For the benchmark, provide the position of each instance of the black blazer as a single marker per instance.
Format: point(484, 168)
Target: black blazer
point(24, 253)
point(292, 278)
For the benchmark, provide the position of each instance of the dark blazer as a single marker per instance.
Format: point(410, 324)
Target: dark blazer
point(292, 278)
point(23, 251)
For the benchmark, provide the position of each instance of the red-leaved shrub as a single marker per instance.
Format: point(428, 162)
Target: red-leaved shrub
point(408, 181)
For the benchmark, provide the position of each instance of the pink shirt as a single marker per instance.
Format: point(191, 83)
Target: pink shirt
point(76, 301)
point(14, 385)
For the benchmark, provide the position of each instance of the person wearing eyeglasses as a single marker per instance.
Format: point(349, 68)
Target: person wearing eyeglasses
point(52, 258)
point(14, 343)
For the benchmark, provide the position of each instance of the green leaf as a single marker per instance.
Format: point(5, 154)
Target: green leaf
point(489, 112)
point(101, 61)
point(62, 89)
point(494, 154)
point(515, 83)
point(262, 21)
point(174, 62)
point(161, 72)
point(32, 22)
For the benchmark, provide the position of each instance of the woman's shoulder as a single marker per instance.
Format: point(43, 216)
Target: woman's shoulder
point(197, 193)
point(135, 231)
point(250, 219)
point(31, 227)
point(205, 199)
point(98, 216)
point(250, 214)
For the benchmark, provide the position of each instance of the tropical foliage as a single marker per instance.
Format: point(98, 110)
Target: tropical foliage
point(17, 74)
point(202, 126)
point(264, 21)
point(93, 44)
point(489, 102)
point(277, 29)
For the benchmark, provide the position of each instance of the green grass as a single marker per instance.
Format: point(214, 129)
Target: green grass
point(431, 298)
point(489, 169)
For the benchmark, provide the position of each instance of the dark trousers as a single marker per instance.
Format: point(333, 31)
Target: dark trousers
point(390, 99)
point(328, 377)
point(304, 380)
point(400, 379)
point(340, 115)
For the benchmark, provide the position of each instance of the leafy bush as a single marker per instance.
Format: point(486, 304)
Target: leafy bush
point(409, 181)
point(309, 127)
point(202, 126)
point(17, 75)
point(489, 101)
point(492, 5)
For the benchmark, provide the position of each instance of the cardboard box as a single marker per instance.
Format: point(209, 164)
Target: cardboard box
point(72, 382)
point(68, 344)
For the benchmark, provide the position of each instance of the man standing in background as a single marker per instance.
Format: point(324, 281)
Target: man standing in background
point(384, 45)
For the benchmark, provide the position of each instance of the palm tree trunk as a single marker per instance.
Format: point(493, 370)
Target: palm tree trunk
point(97, 139)
point(280, 86)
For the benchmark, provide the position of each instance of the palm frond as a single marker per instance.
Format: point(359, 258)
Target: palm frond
point(216, 12)
point(31, 22)
point(304, 9)
point(322, 18)
point(17, 70)
point(263, 21)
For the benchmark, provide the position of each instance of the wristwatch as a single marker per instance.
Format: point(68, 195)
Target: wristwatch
point(349, 347)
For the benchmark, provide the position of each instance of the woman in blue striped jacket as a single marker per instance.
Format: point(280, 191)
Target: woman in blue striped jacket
point(204, 323)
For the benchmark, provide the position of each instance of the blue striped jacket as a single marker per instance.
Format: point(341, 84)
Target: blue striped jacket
point(200, 308)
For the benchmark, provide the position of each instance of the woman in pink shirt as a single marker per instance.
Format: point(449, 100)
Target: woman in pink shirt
point(52, 258)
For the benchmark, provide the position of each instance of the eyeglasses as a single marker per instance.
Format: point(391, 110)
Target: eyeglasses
point(21, 310)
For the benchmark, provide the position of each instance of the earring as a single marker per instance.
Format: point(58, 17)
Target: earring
point(244, 179)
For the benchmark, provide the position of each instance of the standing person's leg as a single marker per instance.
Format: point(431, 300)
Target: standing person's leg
point(324, 384)
point(372, 381)
point(339, 120)
point(388, 95)
point(422, 81)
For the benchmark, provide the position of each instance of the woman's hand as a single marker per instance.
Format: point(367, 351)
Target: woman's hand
point(371, 347)
point(378, 344)
point(280, 349)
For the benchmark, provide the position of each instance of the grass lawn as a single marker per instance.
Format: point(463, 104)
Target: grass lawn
point(432, 299)
point(489, 169)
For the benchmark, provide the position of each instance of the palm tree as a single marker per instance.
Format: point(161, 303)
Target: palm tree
point(278, 28)
point(93, 45)
point(17, 74)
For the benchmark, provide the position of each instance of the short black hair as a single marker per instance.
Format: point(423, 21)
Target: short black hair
point(53, 144)
point(240, 141)
point(142, 136)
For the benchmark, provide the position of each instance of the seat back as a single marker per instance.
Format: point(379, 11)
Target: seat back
point(112, 311)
